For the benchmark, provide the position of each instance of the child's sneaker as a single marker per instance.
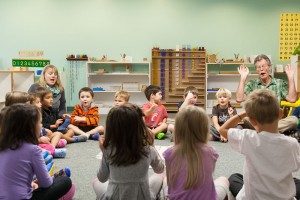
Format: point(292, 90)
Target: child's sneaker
point(63, 172)
point(60, 153)
point(80, 138)
point(95, 136)
point(50, 168)
point(160, 135)
point(45, 153)
point(48, 159)
point(61, 143)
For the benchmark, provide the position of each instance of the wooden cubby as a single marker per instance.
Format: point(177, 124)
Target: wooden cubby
point(175, 70)
point(14, 81)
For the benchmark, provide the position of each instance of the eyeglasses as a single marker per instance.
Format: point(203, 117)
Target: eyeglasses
point(262, 67)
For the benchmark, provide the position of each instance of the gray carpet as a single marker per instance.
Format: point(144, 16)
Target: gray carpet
point(81, 159)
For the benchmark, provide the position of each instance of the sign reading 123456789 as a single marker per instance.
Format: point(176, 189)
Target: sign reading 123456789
point(29, 62)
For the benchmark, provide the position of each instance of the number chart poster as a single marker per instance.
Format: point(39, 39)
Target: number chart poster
point(289, 37)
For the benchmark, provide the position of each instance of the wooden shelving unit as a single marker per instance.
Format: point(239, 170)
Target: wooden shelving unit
point(175, 70)
point(130, 76)
point(15, 81)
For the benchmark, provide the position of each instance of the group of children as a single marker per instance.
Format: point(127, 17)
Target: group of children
point(191, 161)
point(128, 147)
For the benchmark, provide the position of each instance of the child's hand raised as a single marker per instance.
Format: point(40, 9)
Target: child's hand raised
point(101, 141)
point(153, 106)
point(230, 110)
point(189, 95)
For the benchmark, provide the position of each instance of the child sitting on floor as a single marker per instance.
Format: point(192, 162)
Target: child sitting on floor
point(123, 173)
point(47, 143)
point(270, 157)
point(190, 97)
point(85, 116)
point(221, 113)
point(51, 120)
point(121, 97)
point(49, 140)
point(155, 113)
point(190, 163)
point(21, 158)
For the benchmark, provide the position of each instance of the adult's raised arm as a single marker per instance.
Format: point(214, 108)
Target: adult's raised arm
point(240, 93)
point(292, 94)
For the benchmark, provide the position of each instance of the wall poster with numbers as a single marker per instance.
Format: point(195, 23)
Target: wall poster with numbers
point(289, 37)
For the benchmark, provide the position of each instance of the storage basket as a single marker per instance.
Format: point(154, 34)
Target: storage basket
point(131, 86)
point(211, 58)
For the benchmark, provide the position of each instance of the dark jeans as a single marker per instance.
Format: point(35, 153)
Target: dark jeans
point(63, 127)
point(216, 133)
point(61, 185)
point(236, 183)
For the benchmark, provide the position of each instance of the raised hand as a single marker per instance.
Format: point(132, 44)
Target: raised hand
point(153, 106)
point(243, 71)
point(290, 71)
point(189, 96)
point(230, 110)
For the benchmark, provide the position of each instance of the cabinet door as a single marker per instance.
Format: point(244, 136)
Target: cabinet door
point(22, 80)
point(5, 84)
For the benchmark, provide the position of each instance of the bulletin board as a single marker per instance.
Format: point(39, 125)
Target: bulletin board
point(289, 37)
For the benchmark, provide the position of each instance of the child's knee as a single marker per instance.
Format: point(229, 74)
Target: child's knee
point(100, 129)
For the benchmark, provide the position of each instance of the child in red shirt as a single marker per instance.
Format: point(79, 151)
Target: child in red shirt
point(155, 113)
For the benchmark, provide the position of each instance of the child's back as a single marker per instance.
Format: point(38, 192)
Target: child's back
point(270, 160)
point(127, 155)
point(270, 157)
point(131, 181)
point(191, 162)
point(205, 189)
point(19, 166)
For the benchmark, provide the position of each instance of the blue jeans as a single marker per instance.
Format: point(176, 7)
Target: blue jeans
point(64, 125)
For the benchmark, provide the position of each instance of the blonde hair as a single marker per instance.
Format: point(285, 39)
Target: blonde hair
point(262, 106)
point(17, 97)
point(57, 84)
point(191, 128)
point(123, 94)
point(223, 91)
point(191, 89)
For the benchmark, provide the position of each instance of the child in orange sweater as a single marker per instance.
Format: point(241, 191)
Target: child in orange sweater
point(85, 116)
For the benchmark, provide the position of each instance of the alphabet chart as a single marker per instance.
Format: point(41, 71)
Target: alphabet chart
point(289, 37)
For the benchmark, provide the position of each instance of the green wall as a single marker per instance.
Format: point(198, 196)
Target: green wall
point(97, 27)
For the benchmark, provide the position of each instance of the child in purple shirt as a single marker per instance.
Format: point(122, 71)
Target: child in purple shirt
point(21, 158)
point(191, 161)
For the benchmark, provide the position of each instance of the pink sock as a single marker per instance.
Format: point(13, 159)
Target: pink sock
point(61, 143)
point(70, 194)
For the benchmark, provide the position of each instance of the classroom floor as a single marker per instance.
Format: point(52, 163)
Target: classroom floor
point(83, 160)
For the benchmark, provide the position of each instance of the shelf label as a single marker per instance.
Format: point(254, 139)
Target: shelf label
point(29, 63)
